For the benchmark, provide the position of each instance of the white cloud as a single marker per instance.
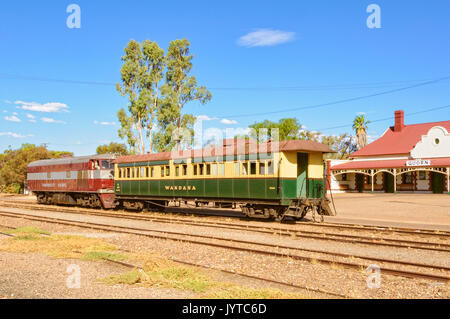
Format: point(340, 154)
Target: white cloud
point(205, 118)
point(51, 107)
point(12, 118)
point(228, 122)
point(8, 101)
point(13, 135)
point(50, 120)
point(31, 116)
point(104, 123)
point(265, 37)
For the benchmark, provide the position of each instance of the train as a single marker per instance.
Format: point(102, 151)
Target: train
point(270, 180)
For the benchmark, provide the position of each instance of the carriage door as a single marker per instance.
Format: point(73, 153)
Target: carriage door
point(302, 174)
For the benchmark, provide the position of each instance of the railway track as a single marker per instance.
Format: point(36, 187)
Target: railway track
point(440, 273)
point(279, 231)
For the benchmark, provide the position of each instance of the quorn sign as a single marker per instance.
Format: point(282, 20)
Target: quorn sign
point(418, 162)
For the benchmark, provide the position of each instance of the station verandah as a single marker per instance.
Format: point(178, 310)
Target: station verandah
point(407, 179)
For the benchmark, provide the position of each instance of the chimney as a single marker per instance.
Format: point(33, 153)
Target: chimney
point(399, 121)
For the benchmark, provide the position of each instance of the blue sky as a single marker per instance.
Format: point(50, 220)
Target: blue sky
point(304, 53)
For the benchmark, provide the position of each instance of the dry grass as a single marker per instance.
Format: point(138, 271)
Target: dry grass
point(30, 240)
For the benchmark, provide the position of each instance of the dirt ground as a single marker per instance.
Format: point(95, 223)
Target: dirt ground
point(428, 211)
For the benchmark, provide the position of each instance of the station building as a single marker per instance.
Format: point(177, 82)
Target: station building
point(406, 158)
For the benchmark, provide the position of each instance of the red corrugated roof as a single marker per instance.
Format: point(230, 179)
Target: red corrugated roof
point(398, 163)
point(399, 142)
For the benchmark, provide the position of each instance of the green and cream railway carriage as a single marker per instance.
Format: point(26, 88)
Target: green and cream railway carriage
point(270, 180)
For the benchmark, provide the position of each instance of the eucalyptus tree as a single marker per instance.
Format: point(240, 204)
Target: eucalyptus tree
point(141, 73)
point(179, 89)
point(360, 127)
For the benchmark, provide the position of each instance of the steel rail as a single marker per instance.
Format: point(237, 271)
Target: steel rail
point(129, 230)
point(380, 241)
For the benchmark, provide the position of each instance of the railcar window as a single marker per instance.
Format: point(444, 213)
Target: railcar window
point(422, 175)
point(214, 169)
point(262, 168)
point(128, 172)
point(208, 169)
point(195, 169)
point(162, 171)
point(270, 168)
point(143, 175)
point(200, 169)
point(252, 168)
point(167, 171)
point(132, 172)
point(236, 169)
point(152, 172)
point(106, 165)
point(221, 169)
point(177, 170)
point(185, 170)
point(147, 170)
point(120, 173)
point(245, 168)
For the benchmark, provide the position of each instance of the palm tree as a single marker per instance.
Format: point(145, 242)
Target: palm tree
point(360, 127)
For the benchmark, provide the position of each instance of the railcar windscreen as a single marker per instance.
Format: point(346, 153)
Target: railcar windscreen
point(107, 165)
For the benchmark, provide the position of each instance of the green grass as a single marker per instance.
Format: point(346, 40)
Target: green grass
point(190, 279)
point(27, 230)
point(99, 255)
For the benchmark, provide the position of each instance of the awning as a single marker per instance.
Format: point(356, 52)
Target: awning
point(397, 163)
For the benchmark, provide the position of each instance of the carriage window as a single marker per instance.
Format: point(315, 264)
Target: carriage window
point(162, 171)
point(144, 172)
point(253, 168)
point(200, 169)
point(214, 169)
point(262, 168)
point(152, 172)
point(244, 168)
point(167, 171)
point(177, 170)
point(236, 169)
point(120, 173)
point(185, 170)
point(128, 172)
point(208, 169)
point(270, 168)
point(195, 169)
point(344, 177)
point(221, 169)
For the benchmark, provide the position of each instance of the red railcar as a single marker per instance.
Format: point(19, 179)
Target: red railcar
point(84, 181)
